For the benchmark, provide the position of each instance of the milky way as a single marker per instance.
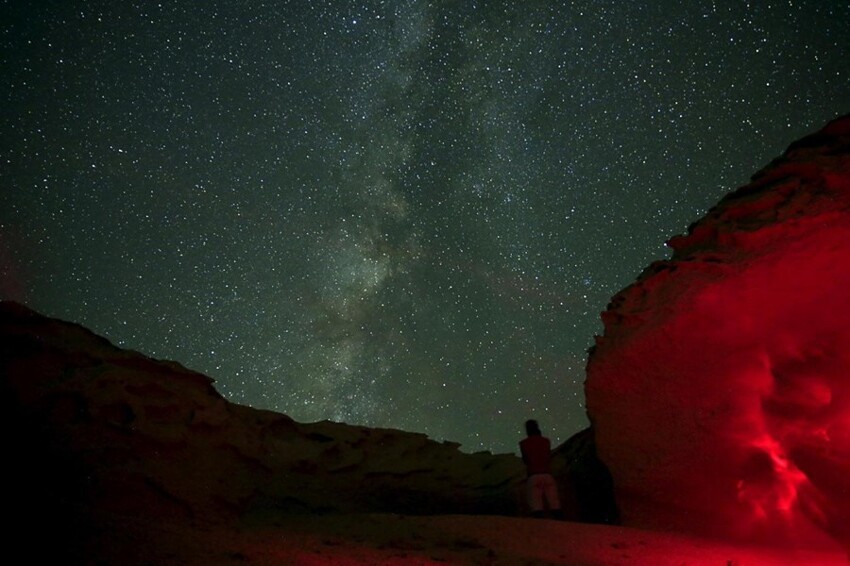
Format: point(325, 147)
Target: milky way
point(403, 214)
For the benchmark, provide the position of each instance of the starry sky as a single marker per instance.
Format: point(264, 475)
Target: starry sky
point(404, 214)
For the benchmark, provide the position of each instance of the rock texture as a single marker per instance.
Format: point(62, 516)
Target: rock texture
point(719, 395)
point(93, 431)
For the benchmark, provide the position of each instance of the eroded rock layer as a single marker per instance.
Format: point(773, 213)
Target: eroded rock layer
point(92, 430)
point(720, 392)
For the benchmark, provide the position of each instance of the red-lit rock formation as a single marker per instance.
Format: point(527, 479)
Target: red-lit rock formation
point(720, 391)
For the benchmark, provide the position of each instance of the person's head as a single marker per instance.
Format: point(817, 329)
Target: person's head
point(532, 428)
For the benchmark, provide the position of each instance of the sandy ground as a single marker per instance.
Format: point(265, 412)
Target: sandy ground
point(395, 539)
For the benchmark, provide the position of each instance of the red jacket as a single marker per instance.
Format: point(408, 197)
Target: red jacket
point(535, 453)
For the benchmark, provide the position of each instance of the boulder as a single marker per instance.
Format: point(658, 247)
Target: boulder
point(719, 394)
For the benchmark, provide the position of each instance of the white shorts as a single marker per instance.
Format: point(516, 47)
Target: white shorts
point(542, 488)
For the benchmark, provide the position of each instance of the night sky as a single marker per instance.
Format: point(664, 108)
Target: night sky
point(405, 214)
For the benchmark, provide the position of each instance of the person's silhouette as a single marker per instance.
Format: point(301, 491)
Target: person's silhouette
point(542, 490)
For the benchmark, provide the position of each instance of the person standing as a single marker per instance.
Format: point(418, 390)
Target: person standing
point(536, 452)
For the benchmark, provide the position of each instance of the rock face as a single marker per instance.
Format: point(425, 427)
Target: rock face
point(586, 479)
point(92, 430)
point(719, 394)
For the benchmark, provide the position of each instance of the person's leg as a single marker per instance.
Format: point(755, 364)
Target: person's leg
point(552, 499)
point(535, 496)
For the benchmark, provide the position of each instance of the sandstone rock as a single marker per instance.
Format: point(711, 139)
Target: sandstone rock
point(94, 431)
point(719, 393)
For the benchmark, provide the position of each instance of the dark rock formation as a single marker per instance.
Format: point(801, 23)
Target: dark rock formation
point(586, 484)
point(719, 393)
point(94, 431)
